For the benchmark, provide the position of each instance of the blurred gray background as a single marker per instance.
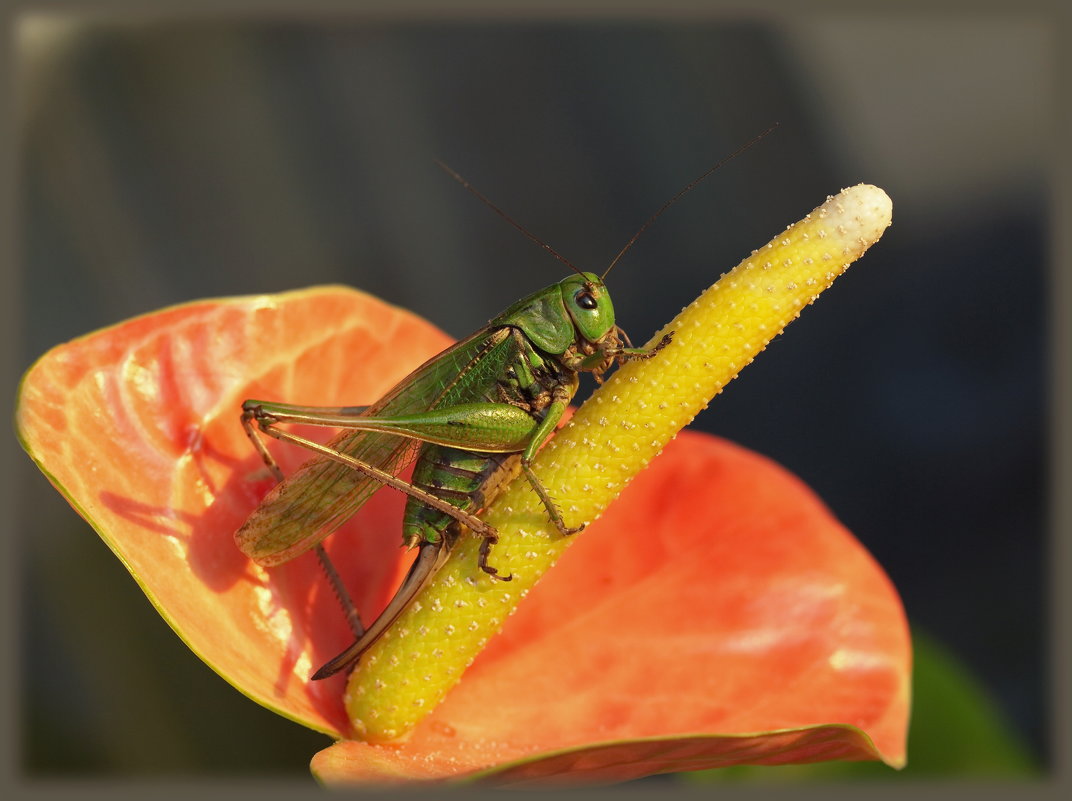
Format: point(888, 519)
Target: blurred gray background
point(164, 161)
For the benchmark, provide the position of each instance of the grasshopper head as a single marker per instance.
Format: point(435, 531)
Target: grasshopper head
point(589, 305)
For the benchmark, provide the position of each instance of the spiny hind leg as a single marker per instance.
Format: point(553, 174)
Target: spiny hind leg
point(251, 421)
point(473, 523)
point(349, 610)
point(262, 417)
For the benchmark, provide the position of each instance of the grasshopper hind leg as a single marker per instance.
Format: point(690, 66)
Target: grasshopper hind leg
point(430, 557)
point(353, 618)
point(250, 421)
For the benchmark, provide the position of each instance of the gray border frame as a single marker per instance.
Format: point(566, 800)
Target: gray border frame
point(1061, 330)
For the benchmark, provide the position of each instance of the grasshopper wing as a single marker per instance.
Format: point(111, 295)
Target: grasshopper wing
point(322, 494)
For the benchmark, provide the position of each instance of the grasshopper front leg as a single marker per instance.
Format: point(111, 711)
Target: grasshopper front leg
point(560, 401)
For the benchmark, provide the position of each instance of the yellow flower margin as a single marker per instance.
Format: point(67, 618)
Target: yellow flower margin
point(588, 463)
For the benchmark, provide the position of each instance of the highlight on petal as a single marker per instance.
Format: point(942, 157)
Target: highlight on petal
point(756, 632)
point(137, 425)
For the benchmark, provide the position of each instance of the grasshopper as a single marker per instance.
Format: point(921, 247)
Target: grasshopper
point(469, 419)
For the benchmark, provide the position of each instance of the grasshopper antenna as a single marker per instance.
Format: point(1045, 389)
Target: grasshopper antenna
point(675, 198)
point(507, 217)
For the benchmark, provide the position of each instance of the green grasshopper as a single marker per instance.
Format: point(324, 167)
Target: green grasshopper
point(469, 418)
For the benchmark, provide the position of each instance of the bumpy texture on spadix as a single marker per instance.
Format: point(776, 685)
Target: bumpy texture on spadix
point(608, 441)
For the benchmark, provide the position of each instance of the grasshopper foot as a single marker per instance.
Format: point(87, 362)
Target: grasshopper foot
point(482, 562)
point(567, 531)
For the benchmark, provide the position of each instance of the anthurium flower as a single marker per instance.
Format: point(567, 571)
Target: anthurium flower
point(716, 614)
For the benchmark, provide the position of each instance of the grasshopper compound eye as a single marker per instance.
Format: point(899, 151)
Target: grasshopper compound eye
point(585, 299)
